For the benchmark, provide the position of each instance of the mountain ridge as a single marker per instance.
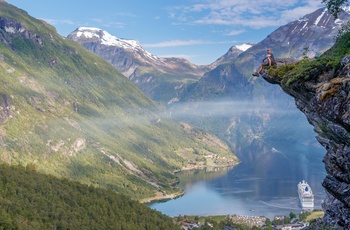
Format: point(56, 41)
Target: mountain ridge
point(163, 79)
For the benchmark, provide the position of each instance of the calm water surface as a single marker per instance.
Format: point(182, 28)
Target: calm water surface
point(265, 183)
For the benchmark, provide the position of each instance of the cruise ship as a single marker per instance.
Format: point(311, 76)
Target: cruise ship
point(306, 196)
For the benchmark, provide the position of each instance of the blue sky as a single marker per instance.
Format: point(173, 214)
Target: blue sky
point(198, 30)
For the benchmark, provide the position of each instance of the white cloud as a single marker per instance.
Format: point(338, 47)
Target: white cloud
point(185, 56)
point(236, 32)
point(253, 13)
point(95, 20)
point(56, 22)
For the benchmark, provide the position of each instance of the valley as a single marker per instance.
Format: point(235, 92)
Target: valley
point(74, 116)
point(97, 114)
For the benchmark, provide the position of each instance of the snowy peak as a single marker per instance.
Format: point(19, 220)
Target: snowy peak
point(232, 54)
point(128, 56)
point(161, 78)
point(106, 38)
point(320, 19)
point(91, 34)
point(243, 47)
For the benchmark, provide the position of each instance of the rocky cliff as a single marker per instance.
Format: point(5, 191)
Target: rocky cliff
point(323, 96)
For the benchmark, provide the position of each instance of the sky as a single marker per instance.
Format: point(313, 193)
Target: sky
point(199, 30)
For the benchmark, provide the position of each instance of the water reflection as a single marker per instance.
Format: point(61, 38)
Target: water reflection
point(265, 183)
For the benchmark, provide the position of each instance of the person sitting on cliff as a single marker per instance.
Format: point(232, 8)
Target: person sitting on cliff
point(269, 60)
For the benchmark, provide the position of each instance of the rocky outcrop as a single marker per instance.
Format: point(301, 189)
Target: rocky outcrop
point(325, 100)
point(310, 35)
point(10, 27)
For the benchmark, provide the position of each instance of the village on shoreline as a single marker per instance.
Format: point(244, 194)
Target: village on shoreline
point(291, 221)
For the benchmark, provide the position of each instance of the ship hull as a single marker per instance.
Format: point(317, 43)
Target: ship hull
point(306, 196)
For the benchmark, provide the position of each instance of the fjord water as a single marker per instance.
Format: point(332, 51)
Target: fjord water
point(264, 183)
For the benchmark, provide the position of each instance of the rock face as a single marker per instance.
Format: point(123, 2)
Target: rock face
point(222, 81)
point(311, 35)
point(14, 28)
point(325, 100)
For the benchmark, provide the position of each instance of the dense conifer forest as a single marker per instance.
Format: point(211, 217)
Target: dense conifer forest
point(30, 200)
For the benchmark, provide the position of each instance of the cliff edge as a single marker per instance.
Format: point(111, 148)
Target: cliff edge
point(321, 89)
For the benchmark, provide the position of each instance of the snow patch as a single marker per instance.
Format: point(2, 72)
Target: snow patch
point(110, 40)
point(89, 28)
point(320, 17)
point(243, 47)
point(304, 26)
point(304, 19)
point(338, 21)
point(11, 30)
point(346, 9)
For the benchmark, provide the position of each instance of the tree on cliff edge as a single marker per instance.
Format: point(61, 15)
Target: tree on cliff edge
point(334, 6)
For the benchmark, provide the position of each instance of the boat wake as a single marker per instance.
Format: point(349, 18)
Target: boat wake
point(277, 206)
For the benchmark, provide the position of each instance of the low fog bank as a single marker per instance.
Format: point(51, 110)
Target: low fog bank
point(242, 121)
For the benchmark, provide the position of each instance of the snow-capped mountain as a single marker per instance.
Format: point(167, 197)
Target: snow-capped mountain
point(124, 54)
point(157, 77)
point(127, 54)
point(232, 54)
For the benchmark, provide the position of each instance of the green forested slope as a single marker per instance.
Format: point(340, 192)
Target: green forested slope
point(72, 114)
point(30, 200)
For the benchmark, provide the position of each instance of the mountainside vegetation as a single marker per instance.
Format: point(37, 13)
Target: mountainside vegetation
point(31, 200)
point(334, 6)
point(307, 69)
point(71, 114)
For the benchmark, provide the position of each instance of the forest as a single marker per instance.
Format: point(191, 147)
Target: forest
point(31, 200)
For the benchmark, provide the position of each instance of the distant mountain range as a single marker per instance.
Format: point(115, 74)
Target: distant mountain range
point(165, 79)
point(248, 108)
point(226, 83)
point(72, 114)
point(161, 78)
point(223, 98)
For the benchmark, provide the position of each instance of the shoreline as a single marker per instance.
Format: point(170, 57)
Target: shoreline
point(163, 198)
point(206, 167)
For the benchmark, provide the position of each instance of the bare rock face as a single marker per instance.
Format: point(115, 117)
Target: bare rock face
point(325, 100)
point(10, 27)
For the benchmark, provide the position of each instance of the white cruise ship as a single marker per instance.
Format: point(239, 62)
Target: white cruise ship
point(306, 196)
